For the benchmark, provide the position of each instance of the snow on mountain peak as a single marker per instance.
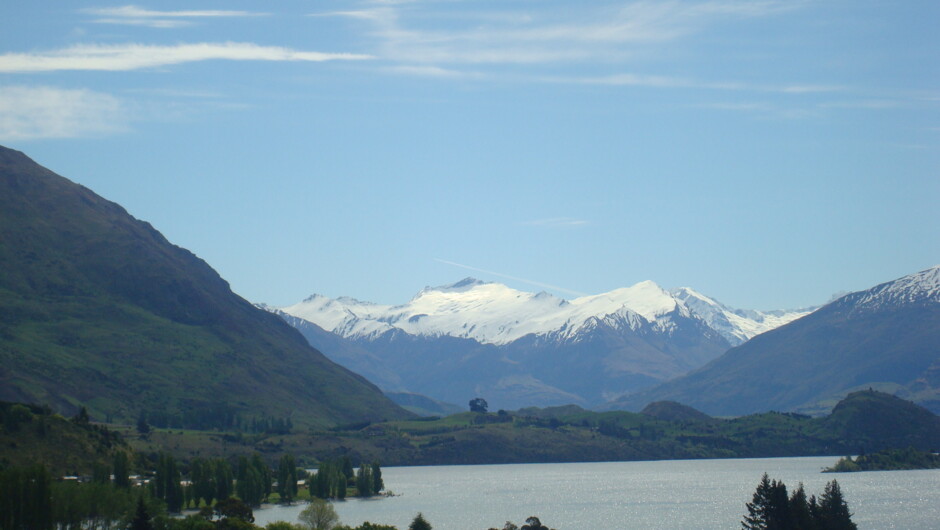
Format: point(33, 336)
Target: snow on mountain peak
point(497, 314)
point(735, 325)
point(920, 287)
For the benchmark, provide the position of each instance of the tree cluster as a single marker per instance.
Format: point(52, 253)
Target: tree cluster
point(887, 460)
point(531, 523)
point(253, 484)
point(771, 508)
point(210, 480)
point(166, 483)
point(334, 477)
point(217, 416)
point(287, 478)
point(31, 499)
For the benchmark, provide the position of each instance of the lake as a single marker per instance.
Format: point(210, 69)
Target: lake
point(670, 494)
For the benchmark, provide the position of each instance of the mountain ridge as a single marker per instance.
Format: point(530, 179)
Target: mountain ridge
point(885, 337)
point(470, 338)
point(492, 313)
point(98, 309)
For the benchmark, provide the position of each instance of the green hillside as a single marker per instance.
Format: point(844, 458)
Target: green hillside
point(31, 434)
point(99, 309)
point(571, 434)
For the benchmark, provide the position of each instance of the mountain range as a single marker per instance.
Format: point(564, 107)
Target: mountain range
point(886, 337)
point(521, 349)
point(99, 310)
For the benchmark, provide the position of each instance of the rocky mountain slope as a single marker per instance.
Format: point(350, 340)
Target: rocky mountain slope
point(886, 337)
point(98, 309)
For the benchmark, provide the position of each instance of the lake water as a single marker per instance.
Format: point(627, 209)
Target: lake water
point(674, 494)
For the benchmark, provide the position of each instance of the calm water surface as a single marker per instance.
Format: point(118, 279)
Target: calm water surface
point(676, 494)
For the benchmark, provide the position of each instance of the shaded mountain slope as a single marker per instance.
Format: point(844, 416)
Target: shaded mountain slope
point(887, 337)
point(98, 308)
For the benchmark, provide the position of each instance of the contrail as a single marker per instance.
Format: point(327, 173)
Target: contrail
point(508, 277)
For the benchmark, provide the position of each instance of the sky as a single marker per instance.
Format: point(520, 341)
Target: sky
point(766, 153)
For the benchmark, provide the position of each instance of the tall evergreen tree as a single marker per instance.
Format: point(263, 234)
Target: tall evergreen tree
point(419, 523)
point(769, 508)
point(833, 510)
point(141, 520)
point(800, 516)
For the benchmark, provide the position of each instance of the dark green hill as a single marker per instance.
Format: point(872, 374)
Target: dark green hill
point(98, 308)
point(887, 337)
point(572, 434)
point(672, 411)
point(880, 421)
point(30, 434)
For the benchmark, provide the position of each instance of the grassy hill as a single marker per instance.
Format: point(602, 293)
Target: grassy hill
point(571, 434)
point(98, 309)
point(33, 434)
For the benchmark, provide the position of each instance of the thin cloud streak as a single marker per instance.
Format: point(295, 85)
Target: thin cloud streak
point(659, 81)
point(137, 16)
point(599, 33)
point(125, 57)
point(433, 71)
point(36, 112)
point(514, 278)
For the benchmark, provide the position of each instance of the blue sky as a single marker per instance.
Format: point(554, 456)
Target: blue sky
point(767, 153)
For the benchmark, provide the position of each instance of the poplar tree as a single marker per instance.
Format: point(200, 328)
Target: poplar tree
point(364, 482)
point(287, 478)
point(121, 477)
point(377, 483)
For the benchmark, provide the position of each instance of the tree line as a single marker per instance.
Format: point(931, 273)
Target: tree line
point(219, 417)
point(771, 508)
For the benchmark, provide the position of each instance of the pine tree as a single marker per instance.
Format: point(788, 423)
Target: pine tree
point(769, 508)
point(141, 519)
point(419, 523)
point(800, 515)
point(833, 510)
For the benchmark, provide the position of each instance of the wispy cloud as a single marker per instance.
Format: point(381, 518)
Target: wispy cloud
point(508, 277)
point(35, 112)
point(600, 32)
point(123, 57)
point(138, 16)
point(434, 71)
point(557, 222)
point(661, 81)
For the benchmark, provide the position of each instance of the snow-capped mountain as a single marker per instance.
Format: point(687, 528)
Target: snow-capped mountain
point(492, 313)
point(886, 337)
point(518, 348)
point(915, 289)
point(736, 325)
